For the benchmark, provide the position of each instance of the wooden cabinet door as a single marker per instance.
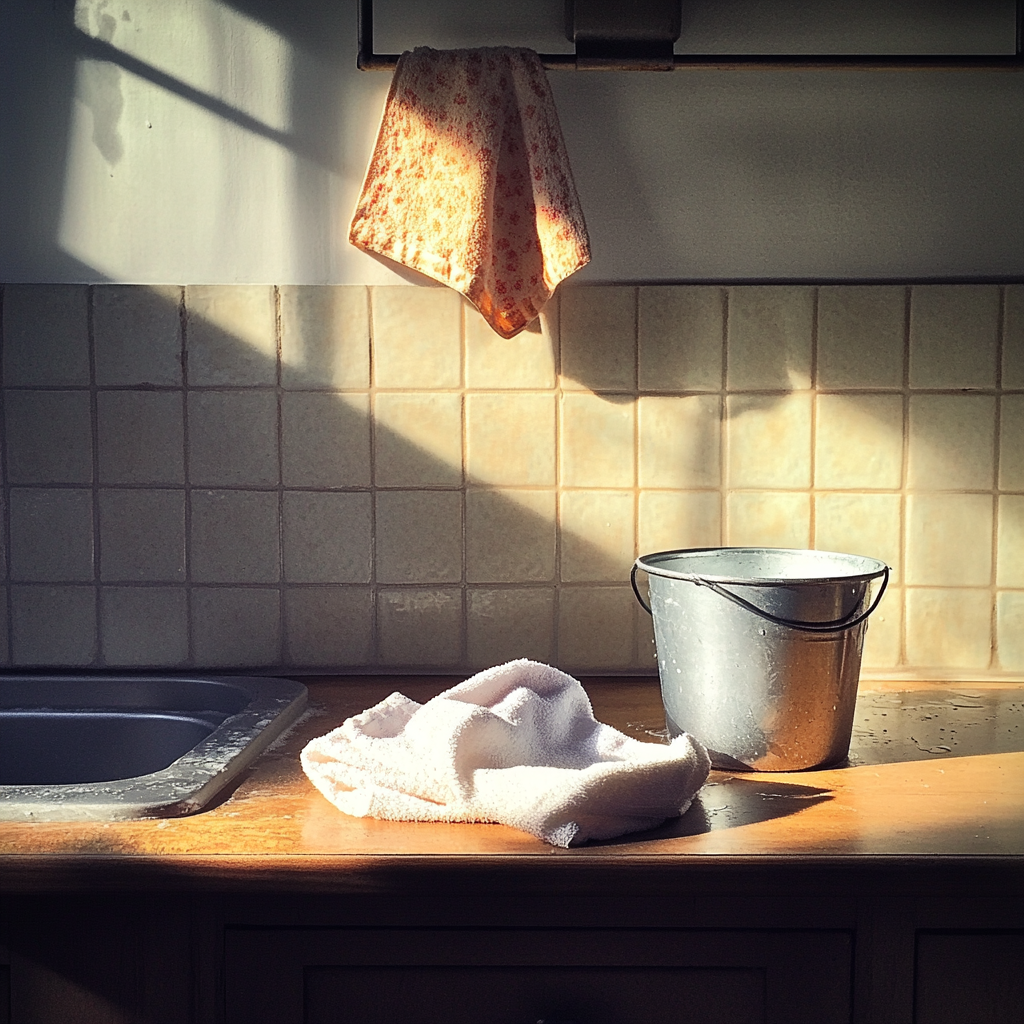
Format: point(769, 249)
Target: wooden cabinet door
point(523, 975)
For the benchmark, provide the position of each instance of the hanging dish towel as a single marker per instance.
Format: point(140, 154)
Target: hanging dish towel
point(469, 182)
point(516, 744)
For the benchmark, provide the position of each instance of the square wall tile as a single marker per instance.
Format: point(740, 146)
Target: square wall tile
point(1010, 547)
point(768, 519)
point(949, 540)
point(1010, 630)
point(51, 536)
point(53, 625)
point(1011, 443)
point(417, 439)
point(325, 336)
point(327, 537)
point(236, 627)
point(419, 536)
point(502, 625)
point(142, 536)
point(140, 437)
point(234, 537)
point(680, 441)
point(769, 440)
point(144, 626)
point(232, 438)
point(328, 627)
point(860, 524)
point(419, 627)
point(954, 335)
point(598, 336)
point(769, 337)
point(510, 536)
point(325, 440)
point(860, 336)
point(949, 628)
point(858, 442)
point(596, 530)
point(417, 337)
point(510, 439)
point(597, 441)
point(1013, 336)
point(137, 334)
point(525, 361)
point(681, 338)
point(49, 437)
point(596, 627)
point(46, 334)
point(231, 334)
point(883, 639)
point(679, 519)
point(952, 442)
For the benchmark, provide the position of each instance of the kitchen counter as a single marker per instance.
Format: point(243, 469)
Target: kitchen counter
point(933, 787)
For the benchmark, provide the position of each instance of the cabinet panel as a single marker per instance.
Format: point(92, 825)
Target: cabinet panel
point(520, 975)
point(969, 976)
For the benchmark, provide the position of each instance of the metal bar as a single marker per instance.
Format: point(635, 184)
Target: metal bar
point(367, 60)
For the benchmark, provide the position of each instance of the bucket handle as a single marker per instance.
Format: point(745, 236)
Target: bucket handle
point(804, 627)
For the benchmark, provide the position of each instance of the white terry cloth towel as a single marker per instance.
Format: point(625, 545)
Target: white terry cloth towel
point(516, 744)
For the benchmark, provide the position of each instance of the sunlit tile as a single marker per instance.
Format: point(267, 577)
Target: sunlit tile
point(679, 519)
point(525, 361)
point(680, 441)
point(417, 337)
point(419, 627)
point(882, 641)
point(949, 628)
point(949, 540)
point(596, 627)
point(954, 335)
point(598, 337)
point(952, 442)
point(1010, 630)
point(597, 441)
point(1011, 443)
point(858, 442)
point(1013, 336)
point(510, 439)
point(417, 439)
point(769, 337)
point(1010, 545)
point(681, 338)
point(502, 625)
point(419, 536)
point(860, 524)
point(860, 336)
point(597, 535)
point(510, 536)
point(769, 440)
point(231, 334)
point(779, 519)
point(325, 336)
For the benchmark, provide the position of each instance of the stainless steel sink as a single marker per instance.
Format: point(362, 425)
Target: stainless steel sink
point(116, 747)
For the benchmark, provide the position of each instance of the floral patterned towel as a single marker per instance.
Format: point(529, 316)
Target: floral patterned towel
point(470, 183)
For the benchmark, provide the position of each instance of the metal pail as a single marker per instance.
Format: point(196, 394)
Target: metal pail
point(759, 649)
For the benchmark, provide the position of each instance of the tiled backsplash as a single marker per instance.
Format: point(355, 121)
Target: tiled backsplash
point(320, 478)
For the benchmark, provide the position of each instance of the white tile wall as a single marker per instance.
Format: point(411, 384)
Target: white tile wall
point(321, 478)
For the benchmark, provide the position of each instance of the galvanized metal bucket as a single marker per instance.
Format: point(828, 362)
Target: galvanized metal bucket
point(759, 649)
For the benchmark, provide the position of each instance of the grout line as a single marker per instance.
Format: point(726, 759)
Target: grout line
point(371, 394)
point(99, 657)
point(903, 658)
point(8, 609)
point(558, 395)
point(463, 550)
point(282, 644)
point(723, 425)
point(994, 659)
point(812, 523)
point(636, 657)
point(186, 475)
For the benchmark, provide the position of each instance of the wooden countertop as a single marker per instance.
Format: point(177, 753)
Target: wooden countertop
point(934, 787)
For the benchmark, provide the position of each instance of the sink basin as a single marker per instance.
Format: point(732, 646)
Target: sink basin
point(116, 747)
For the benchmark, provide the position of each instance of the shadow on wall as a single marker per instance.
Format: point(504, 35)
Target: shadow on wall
point(251, 510)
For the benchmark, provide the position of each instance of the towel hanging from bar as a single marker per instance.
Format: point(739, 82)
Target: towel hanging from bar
point(469, 182)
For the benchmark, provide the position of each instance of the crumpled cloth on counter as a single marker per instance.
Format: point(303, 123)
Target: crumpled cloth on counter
point(469, 182)
point(516, 744)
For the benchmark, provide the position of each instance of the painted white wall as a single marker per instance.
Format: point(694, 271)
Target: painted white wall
point(212, 141)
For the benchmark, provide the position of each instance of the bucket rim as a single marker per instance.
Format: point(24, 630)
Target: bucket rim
point(643, 563)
